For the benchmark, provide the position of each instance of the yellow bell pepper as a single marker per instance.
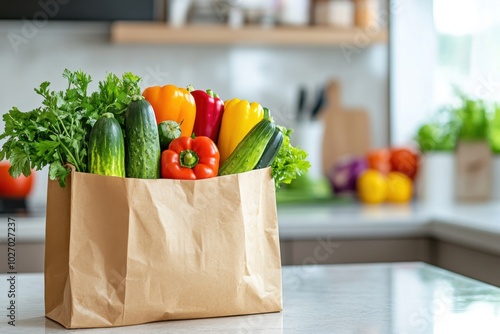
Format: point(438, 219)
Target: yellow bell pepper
point(239, 117)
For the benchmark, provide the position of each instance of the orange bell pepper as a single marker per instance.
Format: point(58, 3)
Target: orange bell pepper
point(172, 103)
point(379, 160)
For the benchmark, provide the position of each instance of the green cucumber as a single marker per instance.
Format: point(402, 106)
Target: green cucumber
point(249, 151)
point(142, 140)
point(271, 150)
point(106, 147)
point(168, 131)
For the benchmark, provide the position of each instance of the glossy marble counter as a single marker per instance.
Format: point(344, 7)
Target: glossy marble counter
point(400, 298)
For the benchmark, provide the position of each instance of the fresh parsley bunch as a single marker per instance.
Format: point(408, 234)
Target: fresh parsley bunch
point(57, 133)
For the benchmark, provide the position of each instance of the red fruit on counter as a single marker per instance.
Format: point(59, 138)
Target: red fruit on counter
point(379, 160)
point(11, 187)
point(405, 161)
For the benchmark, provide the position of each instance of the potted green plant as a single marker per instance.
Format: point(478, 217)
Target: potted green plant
point(473, 152)
point(436, 140)
point(494, 136)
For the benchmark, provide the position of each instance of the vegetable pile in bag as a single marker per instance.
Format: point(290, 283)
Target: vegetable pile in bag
point(57, 133)
point(168, 132)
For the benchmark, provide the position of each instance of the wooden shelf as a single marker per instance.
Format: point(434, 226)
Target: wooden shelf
point(160, 33)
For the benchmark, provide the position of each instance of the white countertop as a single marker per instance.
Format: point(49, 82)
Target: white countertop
point(400, 298)
point(474, 225)
point(352, 221)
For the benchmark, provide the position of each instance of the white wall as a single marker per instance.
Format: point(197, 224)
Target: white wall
point(269, 75)
point(413, 59)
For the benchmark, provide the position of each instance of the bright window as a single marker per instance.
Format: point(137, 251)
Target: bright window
point(468, 48)
point(438, 45)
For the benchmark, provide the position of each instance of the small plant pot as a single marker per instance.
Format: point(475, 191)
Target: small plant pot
point(474, 162)
point(496, 178)
point(435, 184)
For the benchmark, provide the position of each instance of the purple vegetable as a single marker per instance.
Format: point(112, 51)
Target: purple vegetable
point(344, 175)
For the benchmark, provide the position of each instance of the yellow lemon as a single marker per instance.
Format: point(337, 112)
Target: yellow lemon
point(372, 187)
point(399, 188)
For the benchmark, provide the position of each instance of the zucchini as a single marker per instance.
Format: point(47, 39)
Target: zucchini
point(106, 147)
point(249, 151)
point(271, 150)
point(142, 140)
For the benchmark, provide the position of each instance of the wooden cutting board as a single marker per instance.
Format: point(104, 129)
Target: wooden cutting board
point(347, 131)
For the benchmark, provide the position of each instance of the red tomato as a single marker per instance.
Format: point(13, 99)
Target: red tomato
point(405, 161)
point(379, 160)
point(14, 187)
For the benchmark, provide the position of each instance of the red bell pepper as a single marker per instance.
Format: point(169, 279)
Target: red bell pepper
point(190, 159)
point(209, 110)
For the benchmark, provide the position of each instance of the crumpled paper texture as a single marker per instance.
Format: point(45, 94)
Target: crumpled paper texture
point(129, 251)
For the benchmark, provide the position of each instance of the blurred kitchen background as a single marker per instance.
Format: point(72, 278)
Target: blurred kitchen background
point(387, 66)
point(396, 101)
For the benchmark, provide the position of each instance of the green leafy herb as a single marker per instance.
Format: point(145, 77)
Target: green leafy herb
point(439, 134)
point(290, 162)
point(495, 130)
point(56, 134)
point(473, 116)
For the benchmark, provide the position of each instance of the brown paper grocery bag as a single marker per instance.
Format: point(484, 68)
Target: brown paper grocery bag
point(129, 251)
